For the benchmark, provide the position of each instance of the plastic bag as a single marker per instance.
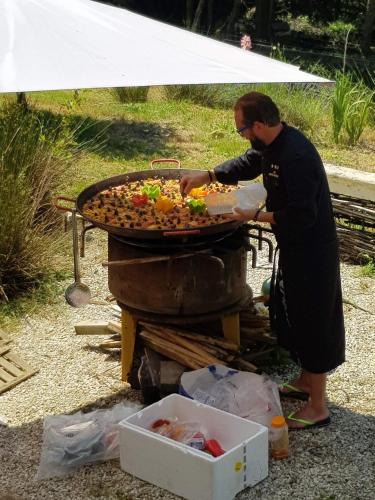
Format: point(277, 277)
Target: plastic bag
point(70, 441)
point(190, 433)
point(247, 395)
point(248, 197)
point(251, 196)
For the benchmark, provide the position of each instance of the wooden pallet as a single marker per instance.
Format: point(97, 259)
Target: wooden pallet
point(13, 370)
point(4, 339)
point(4, 348)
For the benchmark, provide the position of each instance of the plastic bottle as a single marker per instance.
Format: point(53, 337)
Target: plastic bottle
point(150, 391)
point(279, 438)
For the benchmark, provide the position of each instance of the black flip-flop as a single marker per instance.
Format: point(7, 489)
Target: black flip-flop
point(293, 392)
point(308, 424)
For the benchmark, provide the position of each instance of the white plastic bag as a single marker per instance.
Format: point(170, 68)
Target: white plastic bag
point(70, 441)
point(247, 395)
point(249, 197)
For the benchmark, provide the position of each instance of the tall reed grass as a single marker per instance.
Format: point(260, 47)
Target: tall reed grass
point(36, 154)
point(352, 108)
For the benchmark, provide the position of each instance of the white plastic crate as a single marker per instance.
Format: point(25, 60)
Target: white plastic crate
point(185, 471)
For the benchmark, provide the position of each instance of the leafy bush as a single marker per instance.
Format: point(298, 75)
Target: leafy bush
point(368, 267)
point(303, 24)
point(338, 30)
point(36, 152)
point(130, 94)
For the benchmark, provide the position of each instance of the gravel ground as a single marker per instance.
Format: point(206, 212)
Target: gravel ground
point(325, 464)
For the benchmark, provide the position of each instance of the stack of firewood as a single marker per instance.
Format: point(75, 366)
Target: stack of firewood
point(355, 220)
point(190, 349)
point(194, 349)
point(202, 345)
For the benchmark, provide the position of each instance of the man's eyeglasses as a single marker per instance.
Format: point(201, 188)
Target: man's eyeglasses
point(242, 129)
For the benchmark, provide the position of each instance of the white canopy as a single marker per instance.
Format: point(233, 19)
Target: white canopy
point(75, 44)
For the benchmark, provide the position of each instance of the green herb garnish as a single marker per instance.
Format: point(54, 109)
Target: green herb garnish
point(151, 190)
point(196, 206)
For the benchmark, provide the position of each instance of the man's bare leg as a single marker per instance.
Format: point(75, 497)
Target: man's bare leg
point(302, 382)
point(316, 408)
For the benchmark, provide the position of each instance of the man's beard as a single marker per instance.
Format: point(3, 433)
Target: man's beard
point(257, 144)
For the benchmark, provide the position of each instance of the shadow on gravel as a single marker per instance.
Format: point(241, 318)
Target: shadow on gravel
point(324, 464)
point(110, 354)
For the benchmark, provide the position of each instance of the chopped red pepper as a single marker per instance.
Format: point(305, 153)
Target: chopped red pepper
point(139, 199)
point(213, 447)
point(159, 423)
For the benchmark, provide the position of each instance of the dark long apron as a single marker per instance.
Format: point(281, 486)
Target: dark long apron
point(306, 307)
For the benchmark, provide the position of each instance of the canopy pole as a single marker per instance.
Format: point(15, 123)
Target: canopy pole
point(21, 99)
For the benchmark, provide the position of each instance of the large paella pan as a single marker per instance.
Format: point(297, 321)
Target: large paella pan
point(148, 205)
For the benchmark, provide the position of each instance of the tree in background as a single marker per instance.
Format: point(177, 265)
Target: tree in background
point(221, 19)
point(263, 19)
point(368, 26)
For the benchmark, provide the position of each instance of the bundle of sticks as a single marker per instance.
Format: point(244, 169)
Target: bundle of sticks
point(196, 349)
point(190, 349)
point(355, 220)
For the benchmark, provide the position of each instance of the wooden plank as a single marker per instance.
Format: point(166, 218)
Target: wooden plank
point(231, 328)
point(10, 367)
point(5, 376)
point(13, 370)
point(115, 326)
point(4, 348)
point(128, 330)
point(93, 327)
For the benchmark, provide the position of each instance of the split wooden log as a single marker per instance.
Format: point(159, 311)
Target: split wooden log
point(177, 353)
point(191, 346)
point(114, 326)
point(261, 335)
point(111, 344)
point(204, 339)
point(175, 340)
point(246, 365)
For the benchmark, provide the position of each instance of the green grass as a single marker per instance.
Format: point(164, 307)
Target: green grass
point(199, 136)
point(47, 293)
point(368, 268)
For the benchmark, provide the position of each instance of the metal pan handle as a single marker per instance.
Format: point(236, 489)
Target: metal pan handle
point(165, 160)
point(181, 233)
point(146, 260)
point(60, 207)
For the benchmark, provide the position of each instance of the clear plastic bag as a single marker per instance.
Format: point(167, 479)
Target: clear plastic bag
point(251, 196)
point(247, 395)
point(190, 433)
point(70, 441)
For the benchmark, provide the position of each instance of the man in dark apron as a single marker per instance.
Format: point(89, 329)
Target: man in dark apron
point(306, 302)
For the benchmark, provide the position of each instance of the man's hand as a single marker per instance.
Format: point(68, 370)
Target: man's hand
point(190, 181)
point(241, 215)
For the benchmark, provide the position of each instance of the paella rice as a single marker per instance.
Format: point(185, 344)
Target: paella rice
point(153, 204)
